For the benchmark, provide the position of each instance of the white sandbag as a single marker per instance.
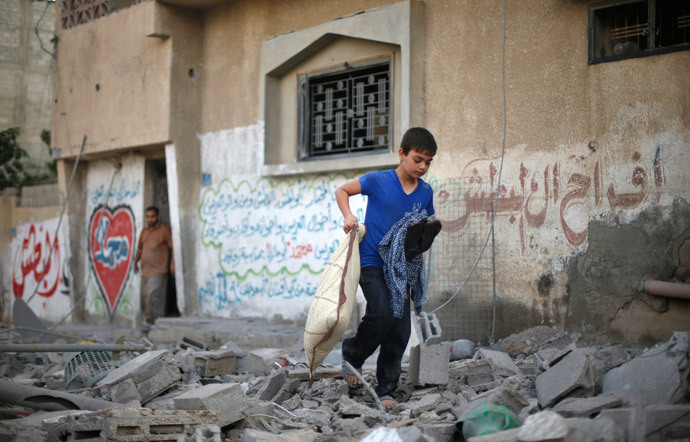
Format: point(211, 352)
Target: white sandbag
point(331, 308)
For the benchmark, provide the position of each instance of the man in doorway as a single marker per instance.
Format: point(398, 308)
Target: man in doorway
point(154, 250)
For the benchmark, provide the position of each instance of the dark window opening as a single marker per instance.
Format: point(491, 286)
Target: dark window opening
point(628, 29)
point(347, 110)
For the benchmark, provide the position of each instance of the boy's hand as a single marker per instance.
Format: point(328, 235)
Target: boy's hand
point(350, 223)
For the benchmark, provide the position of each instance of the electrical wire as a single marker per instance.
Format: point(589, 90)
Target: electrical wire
point(500, 170)
point(40, 42)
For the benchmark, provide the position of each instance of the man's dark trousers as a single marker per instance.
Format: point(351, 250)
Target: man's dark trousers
point(379, 327)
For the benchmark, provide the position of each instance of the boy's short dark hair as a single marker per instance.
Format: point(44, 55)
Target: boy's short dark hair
point(420, 139)
point(154, 208)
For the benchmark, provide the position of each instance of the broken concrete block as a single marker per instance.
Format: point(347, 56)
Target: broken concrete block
point(152, 373)
point(503, 364)
point(545, 425)
point(215, 362)
point(528, 367)
point(286, 391)
point(672, 422)
point(425, 403)
point(504, 395)
point(479, 373)
point(135, 424)
point(252, 363)
point(272, 385)
point(572, 376)
point(588, 407)
point(228, 401)
point(350, 407)
point(659, 376)
point(429, 364)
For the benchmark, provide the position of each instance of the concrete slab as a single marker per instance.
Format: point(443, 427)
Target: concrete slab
point(659, 422)
point(142, 378)
point(659, 376)
point(572, 375)
point(503, 364)
point(479, 373)
point(228, 401)
point(588, 407)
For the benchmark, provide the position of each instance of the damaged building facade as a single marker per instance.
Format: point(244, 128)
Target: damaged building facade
point(240, 118)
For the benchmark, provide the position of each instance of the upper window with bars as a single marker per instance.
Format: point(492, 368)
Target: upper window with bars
point(628, 29)
point(345, 110)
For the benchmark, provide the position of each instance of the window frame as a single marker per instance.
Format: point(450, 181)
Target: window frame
point(650, 50)
point(304, 106)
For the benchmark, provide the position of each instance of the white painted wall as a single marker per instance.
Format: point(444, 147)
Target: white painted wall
point(263, 243)
point(32, 261)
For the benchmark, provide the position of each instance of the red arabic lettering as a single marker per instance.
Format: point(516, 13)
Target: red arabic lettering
point(29, 260)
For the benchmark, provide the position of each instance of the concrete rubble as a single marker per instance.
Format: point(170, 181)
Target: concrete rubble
point(219, 387)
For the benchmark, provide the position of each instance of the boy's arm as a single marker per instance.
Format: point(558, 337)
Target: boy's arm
point(342, 197)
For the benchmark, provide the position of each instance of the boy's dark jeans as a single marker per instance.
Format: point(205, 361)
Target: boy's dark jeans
point(379, 327)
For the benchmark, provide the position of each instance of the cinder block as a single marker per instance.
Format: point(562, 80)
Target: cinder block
point(479, 374)
point(429, 364)
point(128, 424)
point(215, 362)
point(228, 401)
point(152, 373)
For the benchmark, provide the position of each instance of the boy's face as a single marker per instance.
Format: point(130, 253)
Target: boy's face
point(415, 163)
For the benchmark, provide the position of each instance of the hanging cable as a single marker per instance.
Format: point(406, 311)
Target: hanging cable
point(500, 170)
point(40, 42)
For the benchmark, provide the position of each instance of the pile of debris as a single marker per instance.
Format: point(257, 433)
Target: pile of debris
point(549, 384)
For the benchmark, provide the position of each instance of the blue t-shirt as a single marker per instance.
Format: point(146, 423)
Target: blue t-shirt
point(387, 203)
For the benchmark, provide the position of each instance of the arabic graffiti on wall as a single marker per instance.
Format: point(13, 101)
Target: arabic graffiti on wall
point(548, 190)
point(36, 270)
point(268, 241)
point(111, 246)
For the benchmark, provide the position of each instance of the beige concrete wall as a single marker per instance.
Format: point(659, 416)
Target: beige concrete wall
point(112, 83)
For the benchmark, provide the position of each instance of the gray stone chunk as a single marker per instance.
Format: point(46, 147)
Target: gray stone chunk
point(588, 407)
point(593, 430)
point(252, 363)
point(479, 373)
point(572, 376)
point(214, 362)
point(504, 395)
point(658, 376)
point(426, 403)
point(228, 401)
point(272, 385)
point(152, 373)
point(429, 364)
point(349, 407)
point(503, 364)
point(286, 391)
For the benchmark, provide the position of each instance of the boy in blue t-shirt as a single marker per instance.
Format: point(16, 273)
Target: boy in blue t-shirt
point(391, 194)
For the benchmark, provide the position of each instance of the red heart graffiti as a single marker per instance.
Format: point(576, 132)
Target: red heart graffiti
point(111, 244)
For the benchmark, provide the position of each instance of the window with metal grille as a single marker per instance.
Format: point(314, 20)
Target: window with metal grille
point(345, 110)
point(628, 29)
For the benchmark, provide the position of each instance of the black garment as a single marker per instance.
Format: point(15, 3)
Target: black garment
point(379, 327)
